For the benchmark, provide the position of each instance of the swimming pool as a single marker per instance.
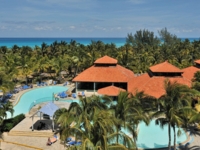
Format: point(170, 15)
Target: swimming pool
point(153, 136)
point(44, 93)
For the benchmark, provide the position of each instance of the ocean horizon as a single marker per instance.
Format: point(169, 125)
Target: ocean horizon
point(37, 41)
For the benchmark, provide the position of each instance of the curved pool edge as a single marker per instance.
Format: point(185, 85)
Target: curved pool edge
point(25, 91)
point(16, 102)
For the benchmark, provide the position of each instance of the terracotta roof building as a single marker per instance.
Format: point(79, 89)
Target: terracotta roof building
point(190, 71)
point(104, 72)
point(107, 77)
point(152, 83)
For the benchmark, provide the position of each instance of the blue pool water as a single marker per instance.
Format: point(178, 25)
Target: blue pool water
point(36, 95)
point(153, 136)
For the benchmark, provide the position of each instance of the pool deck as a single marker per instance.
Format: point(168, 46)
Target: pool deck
point(10, 142)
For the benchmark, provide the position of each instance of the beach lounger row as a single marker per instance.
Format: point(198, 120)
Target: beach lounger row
point(5, 98)
point(21, 88)
point(64, 95)
point(46, 84)
point(42, 84)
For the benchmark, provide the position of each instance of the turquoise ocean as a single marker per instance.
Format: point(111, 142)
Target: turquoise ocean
point(32, 42)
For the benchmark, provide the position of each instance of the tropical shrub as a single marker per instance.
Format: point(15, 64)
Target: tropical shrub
point(8, 124)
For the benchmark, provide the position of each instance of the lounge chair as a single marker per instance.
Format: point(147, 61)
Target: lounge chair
point(74, 95)
point(38, 84)
point(54, 82)
point(16, 90)
point(8, 95)
point(68, 139)
point(83, 93)
point(65, 84)
point(63, 95)
point(71, 143)
point(25, 87)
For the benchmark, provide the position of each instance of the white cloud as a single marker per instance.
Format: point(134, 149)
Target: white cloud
point(184, 30)
point(72, 27)
point(3, 27)
point(42, 28)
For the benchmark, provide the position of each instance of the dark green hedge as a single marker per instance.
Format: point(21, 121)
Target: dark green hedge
point(8, 124)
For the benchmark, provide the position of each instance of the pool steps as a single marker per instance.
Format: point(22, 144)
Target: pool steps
point(22, 145)
point(31, 133)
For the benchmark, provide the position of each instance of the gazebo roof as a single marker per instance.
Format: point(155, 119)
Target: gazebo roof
point(49, 109)
point(105, 74)
point(106, 60)
point(110, 90)
point(165, 67)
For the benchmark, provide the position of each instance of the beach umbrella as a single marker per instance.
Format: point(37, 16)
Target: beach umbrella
point(63, 72)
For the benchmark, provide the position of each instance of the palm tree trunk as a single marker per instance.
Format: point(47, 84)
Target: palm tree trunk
point(134, 139)
point(117, 135)
point(174, 137)
point(169, 133)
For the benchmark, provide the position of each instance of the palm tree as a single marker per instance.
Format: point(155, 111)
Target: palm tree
point(102, 133)
point(94, 123)
point(176, 97)
point(43, 48)
point(7, 107)
point(27, 67)
point(128, 109)
point(84, 110)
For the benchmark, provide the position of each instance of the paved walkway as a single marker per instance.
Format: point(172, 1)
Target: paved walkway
point(31, 142)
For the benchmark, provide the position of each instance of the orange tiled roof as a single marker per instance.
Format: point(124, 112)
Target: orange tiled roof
point(189, 72)
point(106, 60)
point(110, 90)
point(153, 86)
point(105, 74)
point(165, 67)
point(197, 61)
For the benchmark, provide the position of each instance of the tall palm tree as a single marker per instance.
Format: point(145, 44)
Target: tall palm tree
point(176, 97)
point(128, 109)
point(102, 133)
point(84, 110)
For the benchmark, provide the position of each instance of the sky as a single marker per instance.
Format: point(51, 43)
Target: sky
point(98, 18)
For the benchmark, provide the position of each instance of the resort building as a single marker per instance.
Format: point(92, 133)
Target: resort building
point(105, 72)
point(108, 78)
point(152, 82)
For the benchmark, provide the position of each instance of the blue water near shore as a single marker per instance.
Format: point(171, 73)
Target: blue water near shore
point(32, 42)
